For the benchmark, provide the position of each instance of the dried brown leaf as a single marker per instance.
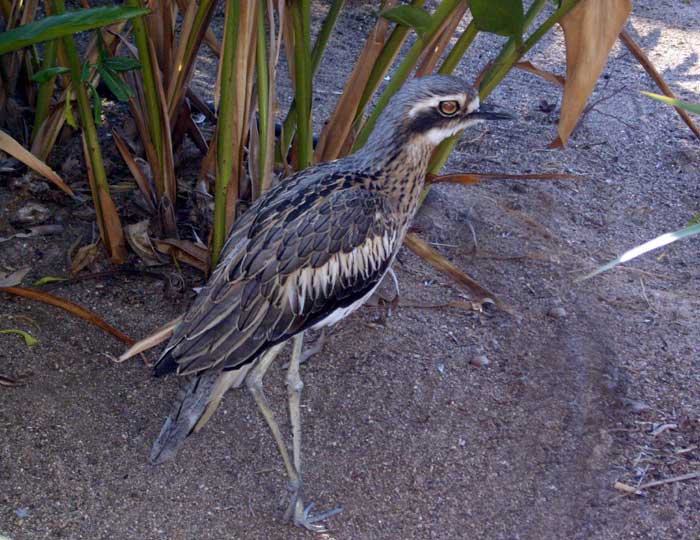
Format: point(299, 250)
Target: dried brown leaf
point(37, 230)
point(590, 31)
point(140, 241)
point(186, 252)
point(10, 279)
point(338, 127)
point(84, 257)
point(16, 150)
point(136, 171)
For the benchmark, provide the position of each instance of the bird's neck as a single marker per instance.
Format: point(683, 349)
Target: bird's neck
point(399, 166)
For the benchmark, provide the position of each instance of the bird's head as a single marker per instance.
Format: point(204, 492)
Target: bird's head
point(427, 110)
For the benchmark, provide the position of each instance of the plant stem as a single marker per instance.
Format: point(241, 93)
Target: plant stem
point(459, 49)
point(178, 87)
point(263, 94)
point(153, 106)
point(511, 53)
point(301, 12)
point(320, 44)
point(225, 127)
point(43, 99)
point(90, 133)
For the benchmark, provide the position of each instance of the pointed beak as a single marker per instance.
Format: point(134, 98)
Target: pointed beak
point(489, 112)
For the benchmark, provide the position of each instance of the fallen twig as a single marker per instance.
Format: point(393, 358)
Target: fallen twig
point(621, 486)
point(642, 58)
point(70, 307)
point(422, 249)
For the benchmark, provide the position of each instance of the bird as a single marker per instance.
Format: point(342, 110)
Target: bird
point(306, 254)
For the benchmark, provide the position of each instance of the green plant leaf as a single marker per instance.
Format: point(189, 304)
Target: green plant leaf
point(121, 63)
point(657, 242)
point(67, 23)
point(45, 75)
point(28, 339)
point(502, 17)
point(85, 72)
point(690, 107)
point(47, 279)
point(96, 105)
point(411, 16)
point(119, 88)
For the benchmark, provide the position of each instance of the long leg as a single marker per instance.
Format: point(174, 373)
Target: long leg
point(254, 383)
point(294, 388)
point(316, 348)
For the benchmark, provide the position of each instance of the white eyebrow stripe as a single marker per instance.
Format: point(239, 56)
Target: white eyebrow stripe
point(473, 105)
point(433, 102)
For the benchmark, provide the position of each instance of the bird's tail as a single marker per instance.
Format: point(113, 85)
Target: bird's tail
point(190, 403)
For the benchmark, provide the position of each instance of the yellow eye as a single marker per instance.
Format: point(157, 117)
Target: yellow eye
point(448, 108)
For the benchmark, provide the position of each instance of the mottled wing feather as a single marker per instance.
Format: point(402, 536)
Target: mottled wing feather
point(293, 259)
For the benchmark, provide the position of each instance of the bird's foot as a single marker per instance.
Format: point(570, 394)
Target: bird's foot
point(304, 518)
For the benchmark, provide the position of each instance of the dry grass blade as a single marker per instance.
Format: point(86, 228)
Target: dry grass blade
point(475, 178)
point(336, 131)
point(156, 338)
point(590, 30)
point(9, 381)
point(16, 150)
point(136, 171)
point(424, 251)
point(546, 75)
point(47, 133)
point(167, 166)
point(70, 307)
point(176, 86)
point(642, 58)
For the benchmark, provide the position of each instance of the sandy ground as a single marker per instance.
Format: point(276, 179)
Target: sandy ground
point(587, 384)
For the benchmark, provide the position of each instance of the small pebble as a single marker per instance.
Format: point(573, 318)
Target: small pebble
point(31, 213)
point(22, 513)
point(480, 361)
point(441, 368)
point(38, 186)
point(557, 313)
point(635, 406)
